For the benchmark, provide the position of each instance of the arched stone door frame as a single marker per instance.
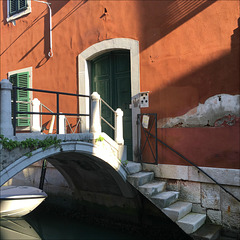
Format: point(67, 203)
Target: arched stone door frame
point(84, 77)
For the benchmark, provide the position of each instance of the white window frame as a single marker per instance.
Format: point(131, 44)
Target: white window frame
point(29, 69)
point(17, 15)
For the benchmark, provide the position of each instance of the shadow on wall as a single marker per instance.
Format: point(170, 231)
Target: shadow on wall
point(220, 76)
point(168, 15)
point(55, 8)
point(36, 20)
point(205, 146)
point(57, 5)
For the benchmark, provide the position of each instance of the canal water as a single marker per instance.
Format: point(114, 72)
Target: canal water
point(52, 226)
point(49, 223)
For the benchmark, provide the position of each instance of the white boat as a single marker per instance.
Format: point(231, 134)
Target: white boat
point(17, 229)
point(17, 201)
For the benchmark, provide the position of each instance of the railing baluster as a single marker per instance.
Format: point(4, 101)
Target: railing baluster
point(14, 110)
point(57, 113)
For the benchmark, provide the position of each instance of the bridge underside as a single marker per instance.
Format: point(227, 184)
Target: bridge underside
point(85, 172)
point(87, 168)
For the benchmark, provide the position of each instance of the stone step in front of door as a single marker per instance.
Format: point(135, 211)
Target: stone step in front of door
point(164, 199)
point(140, 178)
point(152, 188)
point(177, 210)
point(133, 167)
point(191, 222)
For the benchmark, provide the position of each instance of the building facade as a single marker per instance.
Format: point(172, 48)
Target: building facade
point(184, 54)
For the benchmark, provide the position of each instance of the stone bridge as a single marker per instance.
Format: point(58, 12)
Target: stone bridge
point(95, 161)
point(92, 145)
point(73, 148)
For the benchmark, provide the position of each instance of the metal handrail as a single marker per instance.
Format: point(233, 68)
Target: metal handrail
point(184, 158)
point(193, 164)
point(78, 123)
point(107, 105)
point(42, 105)
point(15, 112)
point(146, 133)
point(113, 128)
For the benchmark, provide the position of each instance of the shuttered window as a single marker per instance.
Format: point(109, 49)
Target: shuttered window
point(23, 98)
point(17, 6)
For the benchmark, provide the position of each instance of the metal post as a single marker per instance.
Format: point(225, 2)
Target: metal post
point(90, 112)
point(14, 110)
point(43, 173)
point(156, 142)
point(57, 113)
point(139, 154)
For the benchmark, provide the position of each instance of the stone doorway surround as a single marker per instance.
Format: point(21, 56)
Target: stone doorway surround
point(84, 77)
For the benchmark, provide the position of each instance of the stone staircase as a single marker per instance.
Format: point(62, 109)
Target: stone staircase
point(178, 211)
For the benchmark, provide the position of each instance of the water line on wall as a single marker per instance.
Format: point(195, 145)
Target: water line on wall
point(50, 54)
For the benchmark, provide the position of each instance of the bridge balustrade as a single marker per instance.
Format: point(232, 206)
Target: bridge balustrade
point(10, 114)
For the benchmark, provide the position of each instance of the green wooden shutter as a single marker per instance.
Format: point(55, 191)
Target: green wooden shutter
point(13, 7)
point(22, 80)
point(16, 6)
point(22, 5)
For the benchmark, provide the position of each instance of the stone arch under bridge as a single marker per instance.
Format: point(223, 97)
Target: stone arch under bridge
point(84, 165)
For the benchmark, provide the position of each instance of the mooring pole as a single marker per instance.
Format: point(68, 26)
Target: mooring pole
point(43, 173)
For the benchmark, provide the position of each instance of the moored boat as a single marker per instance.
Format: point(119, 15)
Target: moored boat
point(17, 229)
point(17, 201)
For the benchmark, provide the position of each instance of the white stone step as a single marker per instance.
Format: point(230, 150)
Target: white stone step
point(152, 188)
point(177, 210)
point(207, 232)
point(133, 167)
point(191, 222)
point(164, 199)
point(227, 238)
point(140, 178)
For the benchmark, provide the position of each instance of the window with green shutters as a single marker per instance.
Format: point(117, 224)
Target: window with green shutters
point(23, 98)
point(17, 6)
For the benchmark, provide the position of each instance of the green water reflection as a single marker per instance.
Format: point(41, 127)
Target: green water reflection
point(56, 228)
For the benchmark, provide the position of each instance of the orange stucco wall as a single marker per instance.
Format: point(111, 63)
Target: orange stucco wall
point(206, 147)
point(189, 51)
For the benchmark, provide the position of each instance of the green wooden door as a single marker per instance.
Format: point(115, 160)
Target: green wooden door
point(111, 79)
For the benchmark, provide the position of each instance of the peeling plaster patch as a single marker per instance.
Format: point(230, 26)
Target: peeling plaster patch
point(225, 121)
point(219, 110)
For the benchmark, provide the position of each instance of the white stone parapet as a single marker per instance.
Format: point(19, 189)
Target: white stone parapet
point(36, 117)
point(95, 113)
point(6, 127)
point(62, 124)
point(118, 135)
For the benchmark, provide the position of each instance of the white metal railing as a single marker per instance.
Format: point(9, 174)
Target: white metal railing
point(78, 124)
point(114, 112)
point(6, 125)
point(50, 130)
point(63, 125)
point(96, 117)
